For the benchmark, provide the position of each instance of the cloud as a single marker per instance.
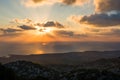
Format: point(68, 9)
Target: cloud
point(107, 14)
point(111, 32)
point(115, 32)
point(35, 3)
point(99, 20)
point(64, 33)
point(10, 30)
point(9, 33)
point(26, 27)
point(104, 32)
point(28, 23)
point(53, 24)
point(75, 2)
point(69, 2)
point(38, 1)
point(22, 21)
point(107, 5)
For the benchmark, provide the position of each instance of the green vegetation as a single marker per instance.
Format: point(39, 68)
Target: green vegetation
point(22, 70)
point(6, 73)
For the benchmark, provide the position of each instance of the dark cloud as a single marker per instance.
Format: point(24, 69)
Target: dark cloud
point(107, 5)
point(37, 1)
point(75, 2)
point(26, 27)
point(9, 30)
point(59, 25)
point(69, 2)
point(49, 24)
point(102, 19)
point(53, 24)
point(107, 13)
point(64, 33)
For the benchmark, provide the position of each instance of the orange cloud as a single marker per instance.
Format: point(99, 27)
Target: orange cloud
point(92, 34)
point(75, 2)
point(35, 3)
point(23, 21)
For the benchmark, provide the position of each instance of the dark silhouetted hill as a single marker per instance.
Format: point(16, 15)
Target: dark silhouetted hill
point(24, 70)
point(63, 58)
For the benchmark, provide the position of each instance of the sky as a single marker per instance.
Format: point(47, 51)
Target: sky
point(33, 26)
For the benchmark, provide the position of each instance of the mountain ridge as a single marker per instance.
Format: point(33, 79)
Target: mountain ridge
point(63, 58)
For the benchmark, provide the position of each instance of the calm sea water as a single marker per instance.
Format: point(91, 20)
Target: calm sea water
point(56, 47)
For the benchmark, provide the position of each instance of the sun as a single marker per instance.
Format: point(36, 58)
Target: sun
point(43, 30)
point(37, 27)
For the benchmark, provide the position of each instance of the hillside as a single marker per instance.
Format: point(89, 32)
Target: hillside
point(24, 70)
point(28, 71)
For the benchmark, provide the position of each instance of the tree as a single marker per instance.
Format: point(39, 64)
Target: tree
point(6, 74)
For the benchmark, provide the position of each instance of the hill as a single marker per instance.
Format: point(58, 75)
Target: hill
point(24, 70)
point(63, 58)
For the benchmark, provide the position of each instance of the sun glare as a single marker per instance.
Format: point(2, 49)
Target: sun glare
point(43, 30)
point(37, 28)
point(47, 30)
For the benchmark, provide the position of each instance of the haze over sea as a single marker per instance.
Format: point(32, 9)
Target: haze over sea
point(56, 47)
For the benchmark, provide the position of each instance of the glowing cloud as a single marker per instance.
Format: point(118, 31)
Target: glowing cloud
point(35, 3)
point(53, 24)
point(99, 20)
point(23, 21)
point(75, 2)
